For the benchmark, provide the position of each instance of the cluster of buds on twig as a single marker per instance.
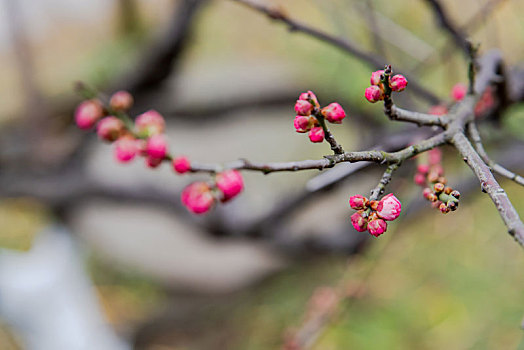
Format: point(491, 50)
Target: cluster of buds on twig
point(430, 176)
point(382, 83)
point(145, 137)
point(199, 197)
point(372, 214)
point(310, 117)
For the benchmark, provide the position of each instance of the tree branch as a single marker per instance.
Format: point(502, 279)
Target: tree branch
point(499, 169)
point(489, 185)
point(371, 59)
point(447, 24)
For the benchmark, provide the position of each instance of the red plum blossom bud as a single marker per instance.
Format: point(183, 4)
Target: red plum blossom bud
point(423, 168)
point(434, 156)
point(377, 227)
point(358, 202)
point(389, 207)
point(87, 113)
point(419, 179)
point(455, 194)
point(438, 187)
point(303, 123)
point(359, 222)
point(316, 134)
point(375, 77)
point(110, 128)
point(427, 192)
point(374, 94)
point(150, 123)
point(230, 182)
point(181, 165)
point(459, 91)
point(156, 146)
point(126, 149)
point(398, 82)
point(121, 101)
point(303, 107)
point(443, 208)
point(334, 113)
point(198, 197)
point(311, 97)
point(452, 205)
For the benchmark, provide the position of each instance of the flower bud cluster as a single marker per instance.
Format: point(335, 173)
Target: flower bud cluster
point(145, 137)
point(308, 113)
point(372, 215)
point(430, 176)
point(382, 83)
point(200, 197)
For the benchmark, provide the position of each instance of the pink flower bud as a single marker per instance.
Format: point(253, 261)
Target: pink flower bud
point(377, 227)
point(358, 202)
point(150, 123)
point(434, 156)
point(334, 113)
point(389, 207)
point(420, 179)
point(121, 101)
point(316, 134)
point(87, 113)
point(443, 208)
point(181, 165)
point(375, 77)
point(309, 96)
point(459, 91)
point(198, 197)
point(156, 146)
point(359, 222)
point(153, 162)
point(110, 128)
point(423, 168)
point(398, 82)
point(126, 149)
point(302, 123)
point(374, 94)
point(230, 182)
point(438, 110)
point(427, 192)
point(303, 107)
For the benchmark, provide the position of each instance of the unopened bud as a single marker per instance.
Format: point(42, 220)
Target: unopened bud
point(121, 101)
point(358, 202)
point(334, 113)
point(316, 134)
point(438, 187)
point(459, 91)
point(374, 94)
point(443, 208)
point(398, 82)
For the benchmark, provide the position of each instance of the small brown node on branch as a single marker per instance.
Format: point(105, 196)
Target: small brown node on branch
point(276, 13)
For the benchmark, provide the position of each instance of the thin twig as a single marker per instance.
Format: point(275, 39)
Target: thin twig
point(447, 24)
point(370, 59)
point(395, 113)
point(499, 169)
point(380, 157)
point(384, 181)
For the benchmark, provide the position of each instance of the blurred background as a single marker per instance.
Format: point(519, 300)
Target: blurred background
point(99, 255)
